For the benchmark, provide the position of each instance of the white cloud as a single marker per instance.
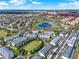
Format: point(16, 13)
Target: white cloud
point(69, 4)
point(34, 2)
point(62, 4)
point(17, 2)
point(2, 3)
point(16, 7)
point(75, 4)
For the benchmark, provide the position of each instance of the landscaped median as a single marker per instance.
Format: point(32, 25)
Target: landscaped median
point(33, 46)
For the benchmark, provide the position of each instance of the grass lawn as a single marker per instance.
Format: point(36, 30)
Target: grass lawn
point(14, 32)
point(34, 23)
point(3, 33)
point(76, 52)
point(14, 49)
point(32, 45)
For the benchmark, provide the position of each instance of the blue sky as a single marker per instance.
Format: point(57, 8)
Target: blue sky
point(39, 4)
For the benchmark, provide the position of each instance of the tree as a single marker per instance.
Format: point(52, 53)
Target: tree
point(56, 33)
point(2, 41)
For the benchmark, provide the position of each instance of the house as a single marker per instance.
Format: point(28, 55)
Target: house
point(55, 41)
point(20, 57)
point(28, 35)
point(44, 36)
point(36, 57)
point(18, 41)
point(63, 34)
point(45, 50)
point(49, 32)
point(5, 53)
point(67, 53)
point(74, 34)
point(72, 41)
point(35, 31)
point(11, 38)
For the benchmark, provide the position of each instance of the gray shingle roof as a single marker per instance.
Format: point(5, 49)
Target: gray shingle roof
point(36, 57)
point(19, 40)
point(11, 38)
point(44, 51)
point(44, 36)
point(72, 54)
point(55, 40)
point(67, 52)
point(6, 53)
point(72, 41)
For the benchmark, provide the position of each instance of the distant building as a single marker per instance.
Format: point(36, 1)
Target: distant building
point(55, 41)
point(5, 53)
point(45, 50)
point(52, 13)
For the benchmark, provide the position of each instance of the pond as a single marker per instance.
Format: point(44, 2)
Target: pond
point(44, 24)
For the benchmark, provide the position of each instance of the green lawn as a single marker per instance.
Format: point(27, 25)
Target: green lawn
point(76, 52)
point(32, 45)
point(14, 49)
point(3, 33)
point(34, 24)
